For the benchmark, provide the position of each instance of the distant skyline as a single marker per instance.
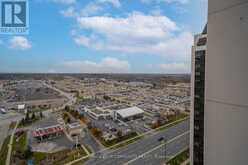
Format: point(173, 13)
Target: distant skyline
point(105, 36)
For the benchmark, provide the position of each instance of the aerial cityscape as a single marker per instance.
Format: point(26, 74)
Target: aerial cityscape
point(96, 119)
point(118, 82)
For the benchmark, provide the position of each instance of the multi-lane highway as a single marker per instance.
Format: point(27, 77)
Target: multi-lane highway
point(148, 150)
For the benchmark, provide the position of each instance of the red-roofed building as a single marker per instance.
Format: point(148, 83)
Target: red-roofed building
point(47, 132)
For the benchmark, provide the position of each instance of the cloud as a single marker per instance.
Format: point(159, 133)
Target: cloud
point(19, 42)
point(91, 9)
point(165, 1)
point(82, 40)
point(175, 68)
point(156, 11)
point(175, 1)
point(137, 33)
point(115, 3)
point(135, 26)
point(69, 12)
point(106, 65)
point(65, 2)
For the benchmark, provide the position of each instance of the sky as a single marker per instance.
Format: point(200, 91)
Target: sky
point(105, 36)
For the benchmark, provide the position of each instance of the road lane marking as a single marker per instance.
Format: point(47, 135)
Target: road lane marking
point(152, 132)
point(159, 146)
point(146, 133)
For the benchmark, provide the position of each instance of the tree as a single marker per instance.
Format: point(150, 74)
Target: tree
point(27, 116)
point(41, 114)
point(96, 132)
point(89, 125)
point(23, 121)
point(105, 97)
point(68, 120)
point(28, 153)
point(119, 133)
point(33, 116)
point(65, 116)
point(67, 108)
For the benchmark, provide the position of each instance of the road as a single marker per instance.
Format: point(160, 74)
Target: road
point(91, 142)
point(148, 144)
point(157, 154)
point(70, 97)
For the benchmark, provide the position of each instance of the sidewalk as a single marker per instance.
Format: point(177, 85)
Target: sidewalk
point(10, 145)
point(185, 162)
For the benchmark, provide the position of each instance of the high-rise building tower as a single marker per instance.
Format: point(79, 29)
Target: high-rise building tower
point(224, 110)
point(226, 84)
point(197, 98)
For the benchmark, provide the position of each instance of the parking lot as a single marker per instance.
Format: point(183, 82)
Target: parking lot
point(51, 145)
point(139, 125)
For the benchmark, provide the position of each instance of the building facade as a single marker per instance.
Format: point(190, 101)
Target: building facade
point(219, 129)
point(197, 98)
point(226, 80)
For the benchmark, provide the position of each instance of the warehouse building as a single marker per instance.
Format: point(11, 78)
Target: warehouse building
point(128, 114)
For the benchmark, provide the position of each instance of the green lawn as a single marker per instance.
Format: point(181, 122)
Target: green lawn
point(22, 125)
point(19, 148)
point(20, 143)
point(177, 117)
point(173, 121)
point(118, 140)
point(88, 148)
point(58, 158)
point(132, 140)
point(20, 153)
point(38, 157)
point(180, 158)
point(4, 150)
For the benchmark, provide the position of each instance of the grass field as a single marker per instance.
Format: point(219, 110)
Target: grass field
point(4, 150)
point(180, 158)
point(58, 158)
point(118, 140)
point(19, 149)
point(172, 122)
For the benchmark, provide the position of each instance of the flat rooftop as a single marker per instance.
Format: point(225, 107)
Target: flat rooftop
point(47, 130)
point(128, 112)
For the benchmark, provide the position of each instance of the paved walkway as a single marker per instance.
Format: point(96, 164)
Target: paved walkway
point(10, 145)
point(185, 162)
